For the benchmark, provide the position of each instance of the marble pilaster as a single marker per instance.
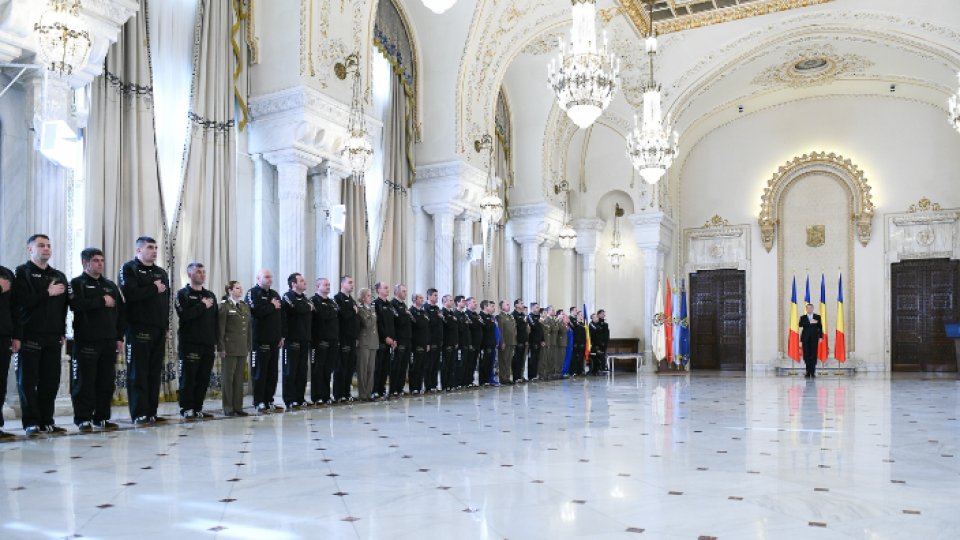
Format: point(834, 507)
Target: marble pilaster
point(588, 242)
point(292, 208)
point(653, 232)
point(443, 230)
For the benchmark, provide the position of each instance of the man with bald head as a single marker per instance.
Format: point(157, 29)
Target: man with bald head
point(265, 306)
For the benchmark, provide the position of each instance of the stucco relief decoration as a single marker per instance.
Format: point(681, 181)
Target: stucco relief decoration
point(829, 163)
point(716, 222)
point(543, 44)
point(924, 205)
point(816, 65)
point(816, 235)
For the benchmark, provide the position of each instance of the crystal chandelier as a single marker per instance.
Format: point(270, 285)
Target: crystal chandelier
point(652, 145)
point(357, 150)
point(954, 117)
point(62, 38)
point(491, 206)
point(568, 236)
point(616, 253)
point(583, 76)
point(439, 6)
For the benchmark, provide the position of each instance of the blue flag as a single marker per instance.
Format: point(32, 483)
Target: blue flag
point(684, 326)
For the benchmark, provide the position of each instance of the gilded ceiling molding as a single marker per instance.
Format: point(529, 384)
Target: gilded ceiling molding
point(636, 12)
point(836, 165)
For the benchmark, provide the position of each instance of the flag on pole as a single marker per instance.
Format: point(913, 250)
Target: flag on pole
point(806, 298)
point(839, 341)
point(823, 348)
point(676, 323)
point(586, 323)
point(668, 323)
point(793, 340)
point(684, 326)
point(659, 344)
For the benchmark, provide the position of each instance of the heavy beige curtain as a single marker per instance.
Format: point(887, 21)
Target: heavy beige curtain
point(354, 243)
point(120, 156)
point(393, 256)
point(204, 230)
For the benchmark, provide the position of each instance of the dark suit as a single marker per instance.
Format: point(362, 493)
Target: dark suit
point(810, 334)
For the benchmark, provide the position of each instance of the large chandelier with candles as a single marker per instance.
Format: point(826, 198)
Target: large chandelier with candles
point(491, 205)
point(567, 238)
point(652, 144)
point(584, 76)
point(954, 117)
point(357, 150)
point(63, 42)
point(616, 255)
point(439, 6)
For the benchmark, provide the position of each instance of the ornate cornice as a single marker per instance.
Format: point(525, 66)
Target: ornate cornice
point(831, 163)
point(638, 15)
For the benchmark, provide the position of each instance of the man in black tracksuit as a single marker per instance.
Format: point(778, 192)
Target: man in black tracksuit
point(475, 325)
point(579, 342)
point(146, 288)
point(9, 336)
point(197, 335)
point(536, 341)
point(349, 333)
point(326, 346)
point(387, 332)
point(602, 339)
point(422, 348)
point(40, 294)
point(451, 344)
point(404, 327)
point(297, 325)
point(523, 337)
point(265, 307)
point(465, 343)
point(488, 342)
point(431, 371)
point(98, 327)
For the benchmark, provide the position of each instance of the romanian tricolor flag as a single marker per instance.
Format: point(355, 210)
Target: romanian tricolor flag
point(793, 339)
point(668, 323)
point(839, 342)
point(586, 323)
point(823, 348)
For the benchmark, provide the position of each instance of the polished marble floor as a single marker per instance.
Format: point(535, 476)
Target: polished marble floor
point(704, 456)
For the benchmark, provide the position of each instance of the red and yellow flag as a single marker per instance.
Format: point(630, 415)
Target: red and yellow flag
point(668, 323)
point(793, 339)
point(823, 348)
point(839, 342)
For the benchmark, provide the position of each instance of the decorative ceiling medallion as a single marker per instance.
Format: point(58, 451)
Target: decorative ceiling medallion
point(678, 15)
point(813, 66)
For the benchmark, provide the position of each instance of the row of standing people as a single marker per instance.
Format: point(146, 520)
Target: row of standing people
point(323, 338)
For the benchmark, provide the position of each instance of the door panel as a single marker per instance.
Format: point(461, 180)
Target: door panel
point(718, 320)
point(924, 297)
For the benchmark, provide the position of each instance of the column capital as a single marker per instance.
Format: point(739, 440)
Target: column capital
point(291, 156)
point(443, 210)
point(454, 183)
point(542, 220)
point(588, 234)
point(653, 230)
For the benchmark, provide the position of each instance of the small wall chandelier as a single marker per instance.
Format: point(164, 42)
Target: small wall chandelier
point(652, 145)
point(491, 205)
point(616, 255)
point(62, 38)
point(567, 238)
point(439, 6)
point(357, 150)
point(584, 76)
point(954, 103)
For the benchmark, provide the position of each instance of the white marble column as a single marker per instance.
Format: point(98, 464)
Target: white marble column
point(461, 260)
point(292, 197)
point(423, 251)
point(588, 243)
point(543, 273)
point(264, 215)
point(529, 262)
point(327, 194)
point(443, 223)
point(588, 279)
point(653, 232)
point(513, 269)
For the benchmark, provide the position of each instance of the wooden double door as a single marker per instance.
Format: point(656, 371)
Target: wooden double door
point(718, 320)
point(924, 296)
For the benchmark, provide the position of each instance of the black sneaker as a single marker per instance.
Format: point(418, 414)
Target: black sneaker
point(262, 408)
point(85, 426)
point(202, 414)
point(105, 425)
point(142, 421)
point(55, 429)
point(241, 413)
point(5, 436)
point(275, 406)
point(188, 414)
point(32, 431)
point(157, 419)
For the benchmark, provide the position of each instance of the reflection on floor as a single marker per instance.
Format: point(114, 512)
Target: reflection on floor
point(693, 457)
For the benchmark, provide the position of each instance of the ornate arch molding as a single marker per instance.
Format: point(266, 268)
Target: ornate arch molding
point(834, 164)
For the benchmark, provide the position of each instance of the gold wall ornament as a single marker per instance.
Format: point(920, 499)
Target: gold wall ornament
point(924, 205)
point(716, 222)
point(816, 235)
point(829, 163)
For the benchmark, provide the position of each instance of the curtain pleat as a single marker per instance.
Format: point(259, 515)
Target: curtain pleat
point(354, 243)
point(120, 156)
point(203, 230)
